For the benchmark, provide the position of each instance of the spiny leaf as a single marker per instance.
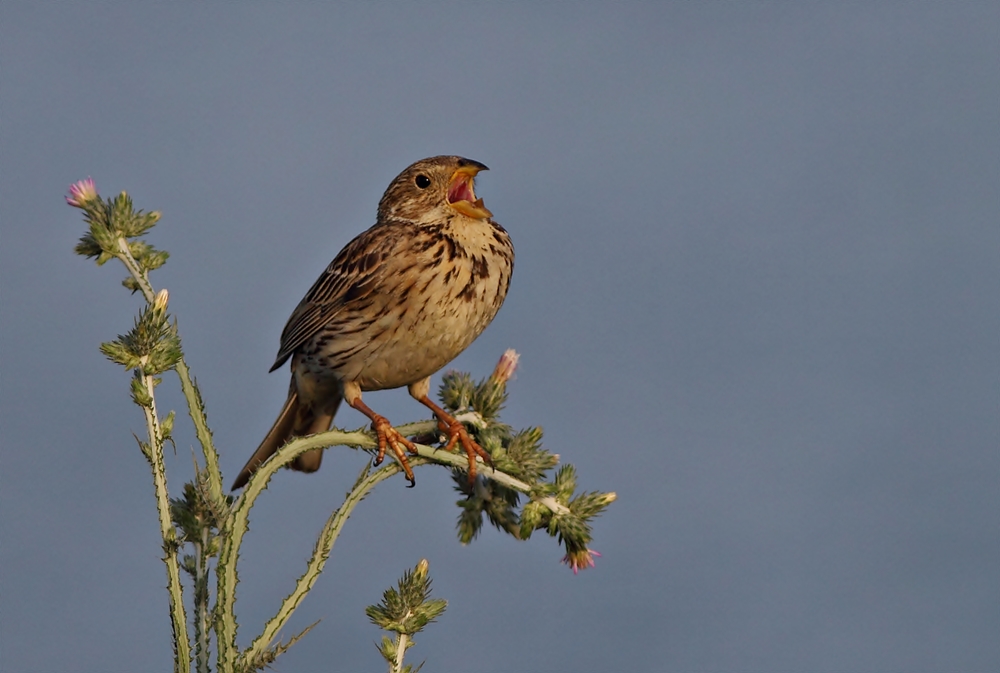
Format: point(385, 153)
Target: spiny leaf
point(456, 390)
point(408, 607)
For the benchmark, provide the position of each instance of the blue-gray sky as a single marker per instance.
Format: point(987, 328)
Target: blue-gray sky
point(757, 294)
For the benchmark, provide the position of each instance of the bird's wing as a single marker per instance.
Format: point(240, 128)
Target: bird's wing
point(351, 277)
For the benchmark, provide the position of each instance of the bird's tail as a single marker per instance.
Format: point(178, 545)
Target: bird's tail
point(295, 420)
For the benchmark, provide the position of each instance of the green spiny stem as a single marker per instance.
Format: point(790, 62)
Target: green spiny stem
point(401, 645)
point(363, 439)
point(201, 429)
point(238, 524)
point(324, 545)
point(178, 618)
point(236, 527)
point(125, 255)
point(188, 386)
point(202, 622)
point(179, 621)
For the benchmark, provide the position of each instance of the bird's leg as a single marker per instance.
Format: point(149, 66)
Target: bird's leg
point(449, 424)
point(388, 436)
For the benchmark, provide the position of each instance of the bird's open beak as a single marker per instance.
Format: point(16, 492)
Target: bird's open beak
point(461, 196)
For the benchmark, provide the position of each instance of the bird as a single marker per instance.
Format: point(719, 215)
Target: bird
point(396, 305)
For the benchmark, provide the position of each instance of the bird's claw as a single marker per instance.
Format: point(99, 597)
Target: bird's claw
point(458, 434)
point(389, 436)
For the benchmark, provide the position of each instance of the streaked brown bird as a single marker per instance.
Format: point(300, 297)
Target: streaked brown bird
point(397, 304)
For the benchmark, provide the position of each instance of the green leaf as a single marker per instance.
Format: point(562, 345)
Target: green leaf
point(120, 213)
point(408, 608)
point(590, 505)
point(534, 515)
point(88, 246)
point(140, 395)
point(456, 391)
point(152, 345)
point(118, 352)
point(167, 425)
point(524, 457)
point(139, 223)
point(565, 483)
point(488, 398)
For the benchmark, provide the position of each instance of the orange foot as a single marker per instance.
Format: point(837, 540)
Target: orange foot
point(390, 436)
point(457, 433)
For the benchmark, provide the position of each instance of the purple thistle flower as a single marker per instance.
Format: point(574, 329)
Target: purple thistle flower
point(580, 560)
point(81, 193)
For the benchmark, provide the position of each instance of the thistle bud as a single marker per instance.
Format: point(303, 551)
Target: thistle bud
point(160, 301)
point(506, 367)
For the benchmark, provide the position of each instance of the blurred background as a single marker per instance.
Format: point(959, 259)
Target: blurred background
point(757, 294)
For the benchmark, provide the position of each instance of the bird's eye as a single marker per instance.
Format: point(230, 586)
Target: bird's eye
point(423, 182)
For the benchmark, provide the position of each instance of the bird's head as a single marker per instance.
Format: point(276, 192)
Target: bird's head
point(434, 190)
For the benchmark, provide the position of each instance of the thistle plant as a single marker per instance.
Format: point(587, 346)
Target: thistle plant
point(525, 490)
point(405, 611)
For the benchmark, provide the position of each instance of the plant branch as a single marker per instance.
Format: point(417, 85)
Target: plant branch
point(178, 618)
point(238, 524)
point(202, 621)
point(401, 645)
point(188, 386)
point(426, 454)
point(125, 255)
point(321, 552)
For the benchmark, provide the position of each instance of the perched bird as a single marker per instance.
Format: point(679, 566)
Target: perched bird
point(397, 304)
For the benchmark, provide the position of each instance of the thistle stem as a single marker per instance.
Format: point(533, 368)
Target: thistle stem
point(188, 386)
point(425, 454)
point(401, 645)
point(202, 624)
point(321, 552)
point(178, 618)
point(238, 524)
